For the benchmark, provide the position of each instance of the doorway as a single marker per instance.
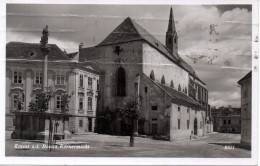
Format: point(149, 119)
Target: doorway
point(195, 126)
point(154, 129)
point(89, 124)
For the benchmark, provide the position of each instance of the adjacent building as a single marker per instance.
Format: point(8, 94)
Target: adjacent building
point(174, 100)
point(246, 108)
point(24, 78)
point(227, 119)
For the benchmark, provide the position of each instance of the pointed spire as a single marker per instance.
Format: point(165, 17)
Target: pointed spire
point(171, 25)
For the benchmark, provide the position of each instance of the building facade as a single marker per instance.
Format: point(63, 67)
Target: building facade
point(246, 108)
point(24, 78)
point(227, 119)
point(174, 100)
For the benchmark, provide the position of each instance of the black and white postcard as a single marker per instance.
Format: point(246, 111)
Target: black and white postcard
point(85, 82)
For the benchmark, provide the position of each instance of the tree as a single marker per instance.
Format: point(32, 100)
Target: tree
point(65, 99)
point(42, 103)
point(130, 113)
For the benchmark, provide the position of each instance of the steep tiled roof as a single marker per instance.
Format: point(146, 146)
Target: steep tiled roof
point(245, 77)
point(129, 31)
point(72, 55)
point(178, 96)
point(19, 50)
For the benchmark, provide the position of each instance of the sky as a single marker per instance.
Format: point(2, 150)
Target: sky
point(214, 39)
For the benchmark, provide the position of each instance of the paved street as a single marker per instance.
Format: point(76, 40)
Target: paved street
point(210, 146)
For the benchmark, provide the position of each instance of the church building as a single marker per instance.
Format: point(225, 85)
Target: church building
point(174, 100)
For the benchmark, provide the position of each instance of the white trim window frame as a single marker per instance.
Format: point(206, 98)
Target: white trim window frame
point(17, 79)
point(60, 78)
point(58, 102)
point(38, 77)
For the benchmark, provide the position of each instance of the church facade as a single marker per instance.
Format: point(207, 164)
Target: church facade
point(174, 100)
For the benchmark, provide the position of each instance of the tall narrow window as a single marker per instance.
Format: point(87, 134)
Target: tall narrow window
point(121, 82)
point(89, 83)
point(15, 101)
point(89, 103)
point(38, 77)
point(60, 78)
point(188, 124)
point(179, 88)
point(152, 75)
point(163, 80)
point(179, 124)
point(171, 85)
point(97, 85)
point(170, 40)
point(81, 103)
point(58, 102)
point(81, 80)
point(17, 77)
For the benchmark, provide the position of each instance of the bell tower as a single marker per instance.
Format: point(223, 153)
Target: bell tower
point(171, 40)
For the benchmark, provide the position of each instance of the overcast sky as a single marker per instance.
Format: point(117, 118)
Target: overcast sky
point(220, 56)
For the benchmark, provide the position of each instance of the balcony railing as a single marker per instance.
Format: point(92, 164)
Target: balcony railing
point(80, 112)
point(90, 112)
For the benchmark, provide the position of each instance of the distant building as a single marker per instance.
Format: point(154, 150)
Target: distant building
point(174, 100)
point(24, 77)
point(246, 101)
point(227, 119)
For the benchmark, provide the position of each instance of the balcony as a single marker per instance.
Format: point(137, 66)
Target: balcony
point(60, 87)
point(90, 112)
point(17, 86)
point(81, 112)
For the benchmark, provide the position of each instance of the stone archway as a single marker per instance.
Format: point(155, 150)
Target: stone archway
point(195, 127)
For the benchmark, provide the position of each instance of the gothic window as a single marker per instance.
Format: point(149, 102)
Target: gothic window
point(17, 77)
point(170, 40)
point(163, 80)
point(89, 83)
point(179, 88)
point(171, 85)
point(121, 82)
point(152, 75)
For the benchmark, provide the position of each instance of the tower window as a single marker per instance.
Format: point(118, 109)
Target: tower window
point(170, 40)
point(121, 82)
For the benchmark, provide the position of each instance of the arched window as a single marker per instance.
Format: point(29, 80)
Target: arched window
point(152, 75)
point(172, 85)
point(121, 82)
point(179, 88)
point(163, 80)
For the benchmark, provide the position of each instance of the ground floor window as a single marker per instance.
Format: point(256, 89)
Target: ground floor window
point(80, 123)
